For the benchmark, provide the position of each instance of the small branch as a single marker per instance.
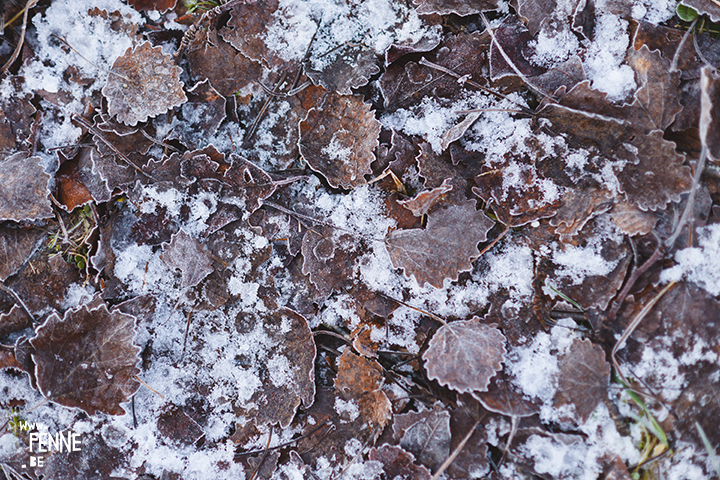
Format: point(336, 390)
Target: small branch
point(455, 453)
point(30, 4)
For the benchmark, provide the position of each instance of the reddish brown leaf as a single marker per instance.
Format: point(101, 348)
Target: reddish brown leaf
point(504, 399)
point(582, 379)
point(631, 220)
point(15, 320)
point(184, 253)
point(398, 463)
point(464, 355)
point(423, 201)
point(446, 247)
point(514, 39)
point(87, 359)
point(177, 425)
point(358, 381)
point(161, 6)
point(143, 83)
point(535, 13)
point(71, 190)
point(43, 281)
point(23, 189)
point(16, 124)
point(338, 139)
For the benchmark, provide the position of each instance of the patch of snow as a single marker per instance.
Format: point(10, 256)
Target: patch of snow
point(700, 265)
point(603, 61)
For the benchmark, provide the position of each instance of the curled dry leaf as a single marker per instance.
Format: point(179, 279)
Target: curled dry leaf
point(582, 380)
point(87, 359)
point(359, 380)
point(24, 189)
point(143, 83)
point(465, 355)
point(423, 201)
point(426, 434)
point(338, 139)
point(446, 247)
point(190, 257)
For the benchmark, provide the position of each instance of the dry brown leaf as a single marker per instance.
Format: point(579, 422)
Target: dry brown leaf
point(16, 246)
point(143, 83)
point(161, 6)
point(338, 139)
point(24, 189)
point(289, 374)
point(351, 67)
point(398, 463)
point(426, 434)
point(245, 179)
point(359, 380)
point(423, 201)
point(329, 259)
point(446, 247)
point(582, 379)
point(87, 359)
point(246, 29)
point(464, 355)
point(184, 253)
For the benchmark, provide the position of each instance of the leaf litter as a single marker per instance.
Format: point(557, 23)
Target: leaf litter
point(262, 212)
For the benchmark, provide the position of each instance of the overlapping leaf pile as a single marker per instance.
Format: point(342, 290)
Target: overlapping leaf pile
point(254, 214)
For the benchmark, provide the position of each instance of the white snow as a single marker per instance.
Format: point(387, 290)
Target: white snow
point(700, 265)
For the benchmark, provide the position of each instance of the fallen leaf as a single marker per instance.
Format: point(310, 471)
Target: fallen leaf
point(203, 113)
point(704, 7)
point(245, 179)
point(71, 192)
point(143, 83)
point(710, 112)
point(16, 246)
point(184, 253)
point(247, 28)
point(583, 380)
point(425, 434)
point(446, 247)
point(87, 359)
point(329, 259)
point(289, 372)
point(43, 281)
point(398, 463)
point(161, 6)
point(464, 355)
point(338, 139)
point(359, 380)
point(24, 189)
point(350, 66)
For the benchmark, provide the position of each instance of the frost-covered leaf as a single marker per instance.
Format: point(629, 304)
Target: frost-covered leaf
point(579, 206)
point(425, 434)
point(43, 281)
point(71, 191)
point(211, 57)
point(143, 83)
point(582, 379)
point(398, 463)
point(184, 253)
point(444, 249)
point(503, 398)
point(16, 246)
point(458, 7)
point(659, 177)
point(535, 13)
point(24, 189)
point(247, 180)
point(338, 139)
point(710, 112)
point(329, 259)
point(631, 220)
point(405, 84)
point(514, 39)
point(13, 321)
point(288, 375)
point(423, 201)
point(351, 67)
point(16, 124)
point(359, 380)
point(87, 359)
point(247, 28)
point(203, 113)
point(704, 7)
point(464, 355)
point(98, 457)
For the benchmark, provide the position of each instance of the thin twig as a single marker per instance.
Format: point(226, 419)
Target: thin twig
point(455, 453)
point(264, 455)
point(30, 4)
point(673, 65)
